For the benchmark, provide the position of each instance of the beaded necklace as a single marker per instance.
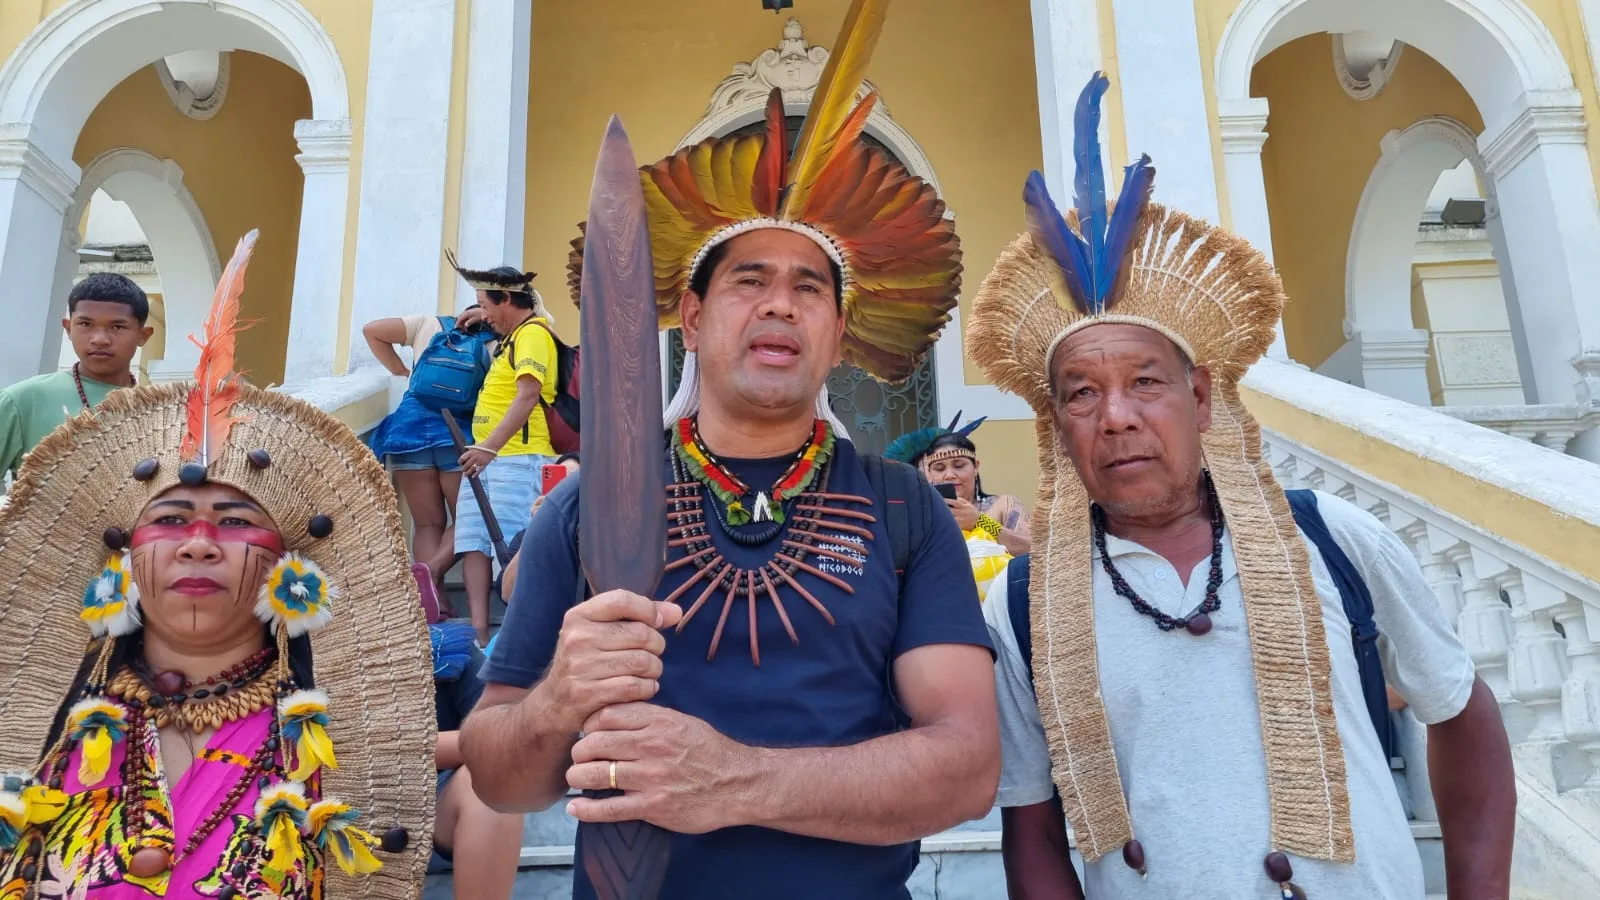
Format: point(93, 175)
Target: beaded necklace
point(150, 854)
point(77, 381)
point(768, 505)
point(1197, 622)
point(804, 533)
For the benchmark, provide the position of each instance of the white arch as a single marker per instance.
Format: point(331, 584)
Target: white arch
point(63, 69)
point(1498, 49)
point(1383, 239)
point(180, 241)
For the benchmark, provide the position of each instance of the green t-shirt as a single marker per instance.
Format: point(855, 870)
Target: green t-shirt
point(31, 409)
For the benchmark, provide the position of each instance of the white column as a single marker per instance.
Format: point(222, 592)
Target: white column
point(35, 190)
point(1243, 125)
point(1540, 165)
point(1066, 52)
point(405, 139)
point(324, 158)
point(494, 172)
point(1164, 101)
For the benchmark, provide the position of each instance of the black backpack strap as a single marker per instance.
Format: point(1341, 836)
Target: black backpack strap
point(1018, 609)
point(905, 500)
point(1357, 600)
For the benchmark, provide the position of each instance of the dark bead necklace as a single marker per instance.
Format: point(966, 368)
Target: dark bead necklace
point(83, 395)
point(1197, 622)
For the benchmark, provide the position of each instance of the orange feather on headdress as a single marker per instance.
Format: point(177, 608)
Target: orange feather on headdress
point(216, 384)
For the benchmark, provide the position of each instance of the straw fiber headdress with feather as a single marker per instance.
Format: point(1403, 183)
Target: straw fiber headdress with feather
point(372, 659)
point(1218, 300)
point(885, 228)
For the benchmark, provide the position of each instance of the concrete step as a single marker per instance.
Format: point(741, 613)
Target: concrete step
point(960, 864)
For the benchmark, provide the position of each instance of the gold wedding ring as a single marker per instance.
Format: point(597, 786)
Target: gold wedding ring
point(612, 771)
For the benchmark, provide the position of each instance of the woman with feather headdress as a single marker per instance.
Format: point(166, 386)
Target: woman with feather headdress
point(201, 723)
point(995, 525)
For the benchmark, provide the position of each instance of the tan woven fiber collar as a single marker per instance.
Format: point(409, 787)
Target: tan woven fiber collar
point(1221, 296)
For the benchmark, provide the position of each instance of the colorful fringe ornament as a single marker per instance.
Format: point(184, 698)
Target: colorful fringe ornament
point(111, 602)
point(296, 596)
point(731, 491)
point(95, 724)
point(305, 727)
point(280, 815)
point(23, 804)
point(333, 830)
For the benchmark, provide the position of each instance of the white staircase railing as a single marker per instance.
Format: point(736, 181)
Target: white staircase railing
point(1531, 624)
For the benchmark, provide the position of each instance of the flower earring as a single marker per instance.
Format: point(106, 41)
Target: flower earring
point(296, 597)
point(111, 602)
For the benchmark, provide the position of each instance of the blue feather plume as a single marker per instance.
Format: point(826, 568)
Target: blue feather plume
point(453, 644)
point(970, 427)
point(1093, 260)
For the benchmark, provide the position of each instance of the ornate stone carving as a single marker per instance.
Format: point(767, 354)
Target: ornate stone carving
point(1363, 65)
point(795, 67)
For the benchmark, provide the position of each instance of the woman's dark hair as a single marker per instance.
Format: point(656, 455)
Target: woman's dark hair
point(700, 282)
point(952, 439)
point(519, 299)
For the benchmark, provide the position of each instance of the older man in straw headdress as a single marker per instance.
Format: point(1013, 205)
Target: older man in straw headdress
point(1200, 692)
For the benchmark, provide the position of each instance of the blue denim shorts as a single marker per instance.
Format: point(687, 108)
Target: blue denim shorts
point(445, 459)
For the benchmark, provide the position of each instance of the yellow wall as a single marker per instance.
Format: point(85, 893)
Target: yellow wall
point(1321, 152)
point(240, 168)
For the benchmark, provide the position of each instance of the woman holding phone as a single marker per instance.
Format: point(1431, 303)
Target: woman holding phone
point(995, 525)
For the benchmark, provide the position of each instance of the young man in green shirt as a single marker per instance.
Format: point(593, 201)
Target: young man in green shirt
point(106, 323)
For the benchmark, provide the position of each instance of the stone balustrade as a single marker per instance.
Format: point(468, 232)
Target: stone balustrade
point(1531, 626)
point(1551, 425)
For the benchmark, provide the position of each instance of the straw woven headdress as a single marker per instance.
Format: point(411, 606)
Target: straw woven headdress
point(1218, 300)
point(884, 228)
point(330, 500)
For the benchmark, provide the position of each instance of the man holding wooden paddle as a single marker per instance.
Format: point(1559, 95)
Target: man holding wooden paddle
point(807, 689)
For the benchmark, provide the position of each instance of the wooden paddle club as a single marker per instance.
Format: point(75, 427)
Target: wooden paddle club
point(622, 501)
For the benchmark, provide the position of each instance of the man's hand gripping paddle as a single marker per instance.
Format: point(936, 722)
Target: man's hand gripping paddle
point(622, 501)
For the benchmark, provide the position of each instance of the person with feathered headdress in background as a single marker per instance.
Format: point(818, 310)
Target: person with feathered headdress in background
point(995, 525)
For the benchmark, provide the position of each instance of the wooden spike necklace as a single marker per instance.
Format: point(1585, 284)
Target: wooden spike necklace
point(797, 512)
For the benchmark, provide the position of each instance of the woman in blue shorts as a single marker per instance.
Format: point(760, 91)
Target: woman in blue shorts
point(415, 445)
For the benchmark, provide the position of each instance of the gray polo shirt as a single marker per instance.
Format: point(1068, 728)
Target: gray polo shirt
point(1186, 726)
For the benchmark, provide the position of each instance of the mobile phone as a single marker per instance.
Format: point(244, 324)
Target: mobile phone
point(946, 490)
point(550, 476)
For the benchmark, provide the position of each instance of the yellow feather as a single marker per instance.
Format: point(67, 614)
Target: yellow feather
point(833, 101)
point(96, 758)
point(352, 853)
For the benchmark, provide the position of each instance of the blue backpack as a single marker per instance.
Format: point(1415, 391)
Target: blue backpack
point(1353, 593)
point(449, 372)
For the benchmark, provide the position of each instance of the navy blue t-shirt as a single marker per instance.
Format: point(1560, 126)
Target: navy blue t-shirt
point(832, 689)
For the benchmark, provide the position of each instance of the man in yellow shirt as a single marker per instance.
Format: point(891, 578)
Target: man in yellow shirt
point(510, 439)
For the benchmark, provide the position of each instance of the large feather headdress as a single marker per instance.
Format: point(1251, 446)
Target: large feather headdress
point(883, 227)
point(1219, 301)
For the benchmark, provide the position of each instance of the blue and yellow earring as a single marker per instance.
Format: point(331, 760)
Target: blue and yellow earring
point(297, 597)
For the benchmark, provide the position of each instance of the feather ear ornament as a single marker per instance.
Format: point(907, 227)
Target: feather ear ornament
point(1093, 258)
point(216, 387)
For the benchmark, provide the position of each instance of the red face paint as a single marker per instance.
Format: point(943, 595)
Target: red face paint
point(265, 538)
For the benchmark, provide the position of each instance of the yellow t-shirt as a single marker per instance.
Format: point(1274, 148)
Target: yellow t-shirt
point(535, 354)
